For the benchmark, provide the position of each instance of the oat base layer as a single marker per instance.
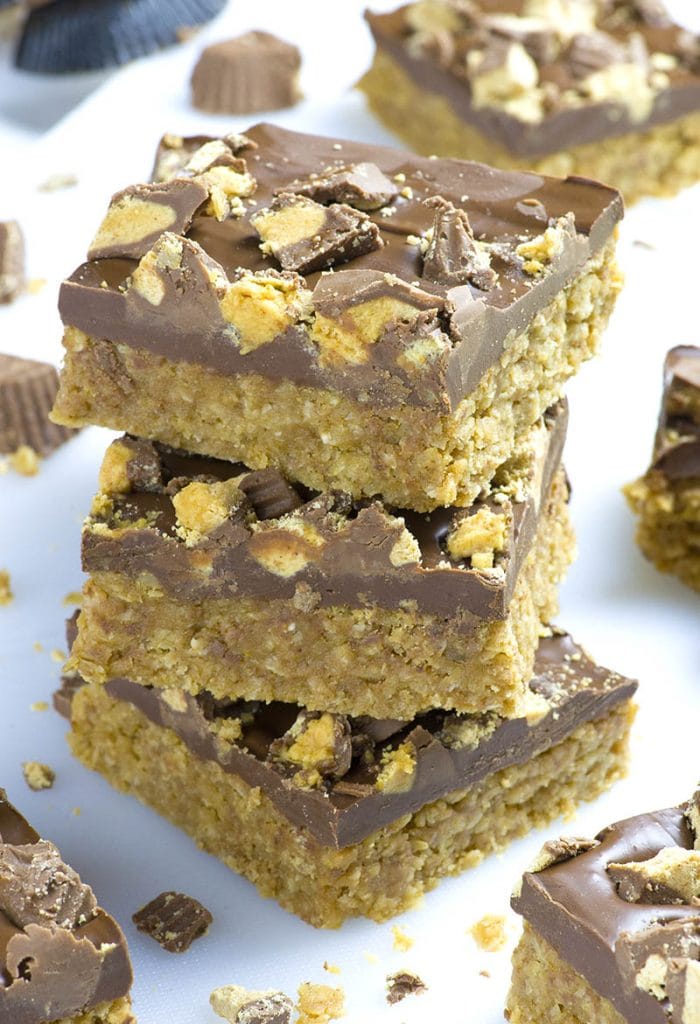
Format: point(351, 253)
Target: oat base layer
point(546, 990)
point(118, 1012)
point(668, 531)
point(657, 162)
point(369, 661)
point(379, 877)
point(413, 457)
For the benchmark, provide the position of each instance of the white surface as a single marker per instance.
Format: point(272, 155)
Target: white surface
point(631, 617)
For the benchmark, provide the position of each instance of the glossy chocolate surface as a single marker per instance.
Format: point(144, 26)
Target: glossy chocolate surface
point(677, 444)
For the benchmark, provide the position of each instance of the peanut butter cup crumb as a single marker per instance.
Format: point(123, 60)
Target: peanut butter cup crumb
point(25, 461)
point(403, 984)
point(489, 932)
point(37, 775)
point(319, 1004)
point(6, 595)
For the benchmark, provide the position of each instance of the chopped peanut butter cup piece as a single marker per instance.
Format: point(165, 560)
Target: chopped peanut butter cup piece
point(362, 186)
point(174, 920)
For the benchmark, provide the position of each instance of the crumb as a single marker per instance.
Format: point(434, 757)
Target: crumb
point(484, 974)
point(38, 646)
point(56, 182)
point(319, 1003)
point(76, 812)
point(38, 776)
point(371, 958)
point(74, 597)
point(639, 243)
point(6, 595)
point(331, 968)
point(243, 1006)
point(36, 285)
point(25, 461)
point(39, 705)
point(489, 933)
point(58, 655)
point(402, 941)
point(174, 920)
point(403, 984)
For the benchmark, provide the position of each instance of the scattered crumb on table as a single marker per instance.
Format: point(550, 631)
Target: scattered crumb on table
point(56, 182)
point(6, 595)
point(489, 932)
point(73, 597)
point(402, 941)
point(402, 984)
point(331, 968)
point(39, 705)
point(38, 776)
point(25, 461)
point(319, 1004)
point(58, 655)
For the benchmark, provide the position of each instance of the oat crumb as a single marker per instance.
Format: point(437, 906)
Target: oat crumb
point(371, 958)
point(25, 461)
point(58, 655)
point(39, 705)
point(319, 1003)
point(489, 932)
point(38, 646)
point(331, 968)
point(484, 974)
point(76, 812)
point(58, 181)
point(38, 776)
point(74, 597)
point(402, 941)
point(6, 595)
point(36, 285)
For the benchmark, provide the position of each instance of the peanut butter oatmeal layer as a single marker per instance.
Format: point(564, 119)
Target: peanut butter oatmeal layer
point(337, 817)
point(555, 86)
point(612, 926)
point(240, 588)
point(62, 958)
point(362, 319)
point(667, 498)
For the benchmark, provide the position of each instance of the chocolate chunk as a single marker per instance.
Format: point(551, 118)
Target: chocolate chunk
point(27, 392)
point(317, 742)
point(651, 12)
point(671, 877)
point(240, 1006)
point(593, 51)
point(362, 186)
point(139, 215)
point(306, 236)
point(682, 989)
point(63, 696)
point(255, 71)
point(453, 256)
point(269, 493)
point(539, 39)
point(173, 920)
point(11, 260)
point(403, 984)
point(556, 851)
point(37, 887)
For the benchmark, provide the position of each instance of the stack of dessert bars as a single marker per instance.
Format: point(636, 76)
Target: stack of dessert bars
point(323, 560)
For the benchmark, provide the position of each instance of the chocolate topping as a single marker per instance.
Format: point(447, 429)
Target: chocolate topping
point(60, 954)
point(677, 443)
point(192, 326)
point(446, 751)
point(27, 392)
point(174, 920)
point(562, 113)
point(255, 71)
point(286, 540)
point(453, 257)
point(11, 260)
point(575, 906)
point(403, 984)
point(362, 186)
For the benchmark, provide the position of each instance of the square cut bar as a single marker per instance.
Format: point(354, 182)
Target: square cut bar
point(557, 86)
point(612, 926)
point(63, 959)
point(209, 576)
point(359, 318)
point(337, 817)
point(667, 497)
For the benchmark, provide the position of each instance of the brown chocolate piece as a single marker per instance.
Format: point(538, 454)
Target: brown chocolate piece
point(140, 214)
point(672, 877)
point(253, 72)
point(306, 236)
point(27, 392)
point(453, 257)
point(593, 51)
point(317, 742)
point(240, 1006)
point(677, 442)
point(354, 562)
point(60, 954)
point(362, 186)
point(191, 328)
point(12, 277)
point(173, 920)
point(556, 851)
point(403, 984)
point(623, 949)
point(339, 813)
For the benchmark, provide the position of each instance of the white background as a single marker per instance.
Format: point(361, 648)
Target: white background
point(630, 617)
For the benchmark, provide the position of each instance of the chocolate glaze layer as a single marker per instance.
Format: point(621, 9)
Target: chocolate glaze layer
point(49, 972)
point(677, 443)
point(353, 568)
point(567, 690)
point(472, 325)
point(560, 129)
point(574, 905)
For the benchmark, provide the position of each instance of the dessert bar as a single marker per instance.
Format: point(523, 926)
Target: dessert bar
point(336, 816)
point(612, 926)
point(667, 498)
point(359, 318)
point(64, 959)
point(567, 87)
point(205, 575)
